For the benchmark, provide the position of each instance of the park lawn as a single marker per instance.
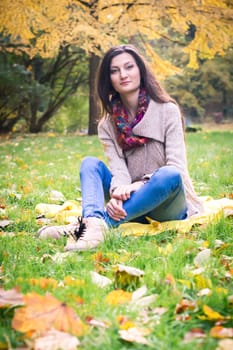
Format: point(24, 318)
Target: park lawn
point(190, 300)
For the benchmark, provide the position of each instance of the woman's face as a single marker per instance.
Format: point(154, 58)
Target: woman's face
point(124, 74)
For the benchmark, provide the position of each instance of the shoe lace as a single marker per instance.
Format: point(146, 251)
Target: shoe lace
point(80, 229)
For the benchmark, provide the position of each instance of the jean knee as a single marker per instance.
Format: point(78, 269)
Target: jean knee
point(88, 163)
point(173, 176)
point(168, 176)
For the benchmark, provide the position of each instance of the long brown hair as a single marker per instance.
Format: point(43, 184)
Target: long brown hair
point(148, 81)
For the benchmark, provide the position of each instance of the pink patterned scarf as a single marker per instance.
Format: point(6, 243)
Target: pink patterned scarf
point(125, 136)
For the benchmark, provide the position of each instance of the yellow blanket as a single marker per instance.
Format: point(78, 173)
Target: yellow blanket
point(214, 210)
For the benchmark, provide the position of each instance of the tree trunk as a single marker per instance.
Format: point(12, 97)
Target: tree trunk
point(94, 110)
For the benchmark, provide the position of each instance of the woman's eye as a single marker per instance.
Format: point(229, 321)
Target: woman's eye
point(113, 71)
point(130, 66)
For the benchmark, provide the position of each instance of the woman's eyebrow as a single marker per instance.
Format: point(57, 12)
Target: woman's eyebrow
point(128, 62)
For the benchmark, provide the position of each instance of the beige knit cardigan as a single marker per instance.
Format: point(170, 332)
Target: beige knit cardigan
point(162, 124)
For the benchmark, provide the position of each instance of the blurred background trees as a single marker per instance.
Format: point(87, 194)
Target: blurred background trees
point(50, 52)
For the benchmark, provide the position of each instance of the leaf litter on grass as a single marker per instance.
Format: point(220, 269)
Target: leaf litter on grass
point(187, 278)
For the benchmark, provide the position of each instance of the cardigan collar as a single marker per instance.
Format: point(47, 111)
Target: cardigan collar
point(152, 124)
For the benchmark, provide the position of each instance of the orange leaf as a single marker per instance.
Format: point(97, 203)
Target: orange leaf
point(10, 298)
point(118, 297)
point(221, 332)
point(42, 313)
point(43, 282)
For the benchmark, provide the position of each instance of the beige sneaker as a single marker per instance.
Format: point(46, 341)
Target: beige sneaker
point(74, 229)
point(92, 235)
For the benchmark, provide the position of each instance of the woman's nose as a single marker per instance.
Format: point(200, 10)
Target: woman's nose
point(123, 73)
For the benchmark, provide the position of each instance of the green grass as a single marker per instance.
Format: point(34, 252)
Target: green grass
point(32, 166)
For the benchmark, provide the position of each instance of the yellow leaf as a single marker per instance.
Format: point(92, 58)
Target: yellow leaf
point(118, 296)
point(186, 283)
point(165, 250)
point(126, 276)
point(211, 315)
point(125, 322)
point(71, 281)
point(201, 282)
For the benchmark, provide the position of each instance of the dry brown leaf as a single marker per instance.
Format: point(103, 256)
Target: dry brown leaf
point(56, 340)
point(42, 313)
point(185, 305)
point(9, 298)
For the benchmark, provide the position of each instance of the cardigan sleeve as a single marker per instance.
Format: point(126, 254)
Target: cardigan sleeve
point(175, 153)
point(114, 154)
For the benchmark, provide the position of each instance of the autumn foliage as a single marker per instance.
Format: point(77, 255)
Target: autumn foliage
point(42, 28)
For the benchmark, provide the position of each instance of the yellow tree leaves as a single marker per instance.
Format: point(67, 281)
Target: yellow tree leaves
point(44, 26)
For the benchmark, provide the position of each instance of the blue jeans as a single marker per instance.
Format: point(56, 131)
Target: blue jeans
point(162, 198)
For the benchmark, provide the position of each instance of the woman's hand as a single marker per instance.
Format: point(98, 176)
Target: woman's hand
point(115, 210)
point(123, 192)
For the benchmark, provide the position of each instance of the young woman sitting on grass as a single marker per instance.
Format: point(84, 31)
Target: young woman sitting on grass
point(143, 138)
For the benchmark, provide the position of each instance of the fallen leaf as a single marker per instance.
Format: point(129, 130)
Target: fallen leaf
point(195, 333)
point(43, 282)
point(56, 340)
point(211, 315)
point(118, 296)
point(230, 300)
point(9, 298)
point(165, 250)
point(140, 298)
point(225, 344)
point(125, 323)
point(185, 305)
point(96, 323)
point(5, 223)
point(58, 257)
point(221, 332)
point(202, 282)
point(169, 279)
point(135, 335)
point(204, 292)
point(126, 276)
point(74, 282)
point(56, 196)
point(41, 313)
point(202, 258)
point(99, 280)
